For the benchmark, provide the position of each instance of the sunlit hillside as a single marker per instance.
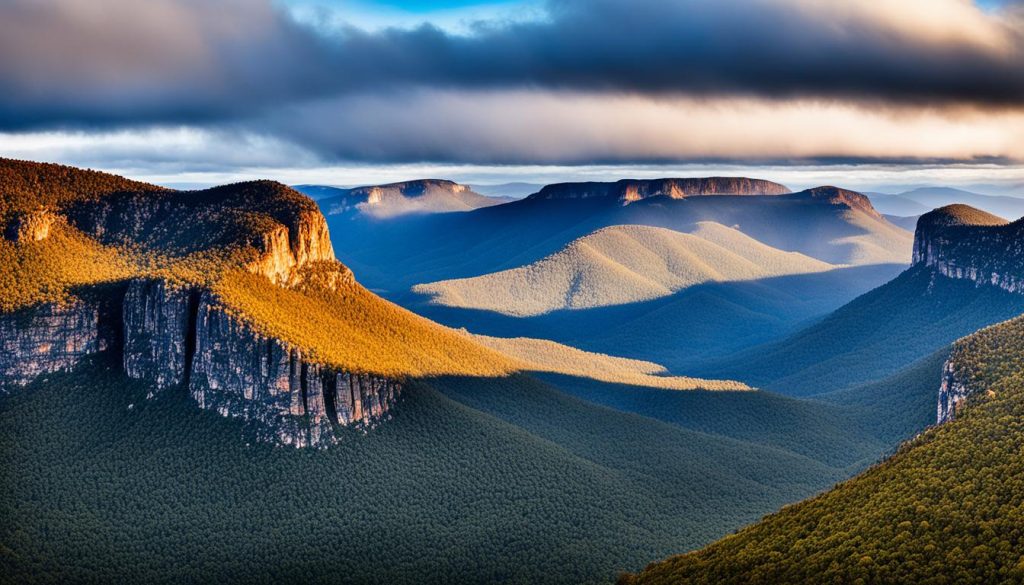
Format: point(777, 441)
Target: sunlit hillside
point(622, 264)
point(947, 508)
point(541, 355)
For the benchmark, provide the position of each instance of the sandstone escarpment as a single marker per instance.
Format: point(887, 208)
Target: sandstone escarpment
point(46, 339)
point(240, 373)
point(285, 249)
point(964, 243)
point(180, 337)
point(176, 336)
point(630, 190)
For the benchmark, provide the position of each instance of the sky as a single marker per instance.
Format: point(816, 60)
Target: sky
point(869, 94)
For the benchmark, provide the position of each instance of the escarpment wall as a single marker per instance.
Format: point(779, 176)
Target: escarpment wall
point(179, 337)
point(47, 339)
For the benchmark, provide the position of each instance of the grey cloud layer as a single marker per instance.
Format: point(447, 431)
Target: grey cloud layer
point(505, 93)
point(123, 61)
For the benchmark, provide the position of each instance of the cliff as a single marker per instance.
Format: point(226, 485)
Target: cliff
point(181, 337)
point(842, 198)
point(961, 242)
point(158, 314)
point(630, 190)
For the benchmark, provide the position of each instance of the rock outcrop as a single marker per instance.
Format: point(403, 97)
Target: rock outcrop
point(630, 190)
point(182, 337)
point(952, 393)
point(46, 339)
point(285, 249)
point(964, 243)
point(30, 226)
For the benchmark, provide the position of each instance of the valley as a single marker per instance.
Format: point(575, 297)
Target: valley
point(572, 398)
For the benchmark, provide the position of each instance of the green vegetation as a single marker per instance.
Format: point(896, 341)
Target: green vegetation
point(48, 270)
point(622, 264)
point(473, 479)
point(948, 507)
point(28, 186)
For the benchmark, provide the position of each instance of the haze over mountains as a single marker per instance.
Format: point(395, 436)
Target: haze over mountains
point(395, 199)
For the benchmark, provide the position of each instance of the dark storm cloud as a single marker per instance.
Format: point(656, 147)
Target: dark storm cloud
point(124, 62)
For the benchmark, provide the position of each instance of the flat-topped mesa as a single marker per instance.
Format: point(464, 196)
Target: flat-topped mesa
point(415, 188)
point(842, 198)
point(961, 242)
point(630, 190)
point(941, 232)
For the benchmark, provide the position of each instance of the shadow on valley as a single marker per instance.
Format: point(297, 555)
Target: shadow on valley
point(506, 479)
point(685, 329)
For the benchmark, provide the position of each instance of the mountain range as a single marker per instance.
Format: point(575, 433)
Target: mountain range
point(211, 385)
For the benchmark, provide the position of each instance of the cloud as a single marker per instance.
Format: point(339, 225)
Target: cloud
point(545, 127)
point(590, 80)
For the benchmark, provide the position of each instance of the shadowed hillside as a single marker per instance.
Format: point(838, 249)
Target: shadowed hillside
point(829, 224)
point(946, 508)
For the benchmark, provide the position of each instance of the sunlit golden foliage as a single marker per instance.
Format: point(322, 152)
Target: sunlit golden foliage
point(542, 355)
point(26, 186)
point(48, 270)
point(354, 329)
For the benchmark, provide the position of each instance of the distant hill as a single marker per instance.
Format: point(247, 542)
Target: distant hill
point(629, 190)
point(829, 224)
point(924, 199)
point(622, 264)
point(397, 199)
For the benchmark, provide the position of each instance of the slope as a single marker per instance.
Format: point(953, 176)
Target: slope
point(946, 508)
point(619, 265)
point(471, 480)
point(829, 224)
point(875, 335)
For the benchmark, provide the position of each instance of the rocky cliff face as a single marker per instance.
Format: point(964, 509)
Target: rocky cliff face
point(630, 190)
point(284, 250)
point(180, 337)
point(952, 393)
point(47, 339)
point(961, 242)
point(238, 372)
point(177, 337)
